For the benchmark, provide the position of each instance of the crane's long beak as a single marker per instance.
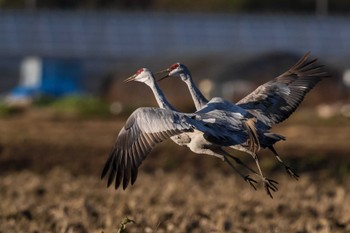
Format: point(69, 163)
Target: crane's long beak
point(163, 71)
point(132, 78)
point(164, 77)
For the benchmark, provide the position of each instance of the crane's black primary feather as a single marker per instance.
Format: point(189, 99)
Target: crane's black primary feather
point(107, 164)
point(276, 100)
point(142, 131)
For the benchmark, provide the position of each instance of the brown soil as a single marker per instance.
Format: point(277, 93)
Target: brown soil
point(50, 168)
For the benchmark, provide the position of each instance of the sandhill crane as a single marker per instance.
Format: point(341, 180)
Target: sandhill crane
point(271, 103)
point(212, 130)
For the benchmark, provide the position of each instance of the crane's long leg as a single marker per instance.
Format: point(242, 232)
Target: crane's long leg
point(222, 154)
point(268, 183)
point(288, 169)
point(246, 178)
point(238, 161)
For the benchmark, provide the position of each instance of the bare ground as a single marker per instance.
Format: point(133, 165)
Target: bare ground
point(49, 182)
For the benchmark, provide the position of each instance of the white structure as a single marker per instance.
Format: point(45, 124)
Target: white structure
point(346, 78)
point(30, 73)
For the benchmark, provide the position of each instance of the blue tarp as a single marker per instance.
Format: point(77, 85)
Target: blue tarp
point(59, 77)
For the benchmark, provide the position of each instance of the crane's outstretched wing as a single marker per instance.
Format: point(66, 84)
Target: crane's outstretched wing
point(143, 130)
point(276, 100)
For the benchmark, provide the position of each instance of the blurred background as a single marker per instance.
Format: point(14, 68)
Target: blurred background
point(60, 48)
point(62, 99)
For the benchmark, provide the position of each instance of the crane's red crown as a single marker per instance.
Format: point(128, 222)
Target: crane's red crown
point(174, 66)
point(139, 71)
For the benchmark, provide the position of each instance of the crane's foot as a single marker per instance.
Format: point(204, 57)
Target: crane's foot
point(291, 173)
point(270, 185)
point(250, 181)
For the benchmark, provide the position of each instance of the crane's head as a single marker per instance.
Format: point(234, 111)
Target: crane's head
point(176, 70)
point(143, 75)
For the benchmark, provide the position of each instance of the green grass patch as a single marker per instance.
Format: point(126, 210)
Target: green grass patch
point(43, 101)
point(80, 106)
point(7, 111)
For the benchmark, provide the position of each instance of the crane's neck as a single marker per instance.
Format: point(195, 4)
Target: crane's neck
point(158, 94)
point(197, 96)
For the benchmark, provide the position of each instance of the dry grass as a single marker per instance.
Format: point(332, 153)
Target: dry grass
point(49, 182)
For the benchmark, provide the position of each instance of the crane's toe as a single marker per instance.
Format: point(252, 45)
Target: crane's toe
point(250, 181)
point(291, 173)
point(270, 185)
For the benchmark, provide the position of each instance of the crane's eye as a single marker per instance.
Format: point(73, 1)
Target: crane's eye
point(174, 66)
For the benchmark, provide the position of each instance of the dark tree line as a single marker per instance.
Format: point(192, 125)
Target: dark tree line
point(251, 6)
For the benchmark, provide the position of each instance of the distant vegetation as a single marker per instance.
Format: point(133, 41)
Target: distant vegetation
point(74, 106)
point(6, 111)
point(79, 106)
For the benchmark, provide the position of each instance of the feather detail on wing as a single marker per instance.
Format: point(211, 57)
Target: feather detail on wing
point(253, 141)
point(143, 130)
point(276, 100)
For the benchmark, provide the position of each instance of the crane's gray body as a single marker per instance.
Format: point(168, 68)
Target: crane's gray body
point(204, 132)
point(216, 123)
